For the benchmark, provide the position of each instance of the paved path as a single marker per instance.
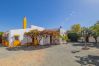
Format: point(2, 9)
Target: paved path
point(57, 55)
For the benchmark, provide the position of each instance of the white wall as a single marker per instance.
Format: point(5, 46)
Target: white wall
point(91, 39)
point(97, 39)
point(62, 32)
point(21, 32)
point(45, 40)
point(36, 27)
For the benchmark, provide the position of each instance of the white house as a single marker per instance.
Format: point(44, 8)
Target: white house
point(23, 40)
point(21, 32)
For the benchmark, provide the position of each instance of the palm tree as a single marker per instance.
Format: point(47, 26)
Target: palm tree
point(85, 33)
point(95, 30)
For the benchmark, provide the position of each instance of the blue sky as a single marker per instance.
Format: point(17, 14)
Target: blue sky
point(48, 13)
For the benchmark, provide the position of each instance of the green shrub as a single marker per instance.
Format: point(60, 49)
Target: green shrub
point(64, 37)
point(73, 36)
point(1, 33)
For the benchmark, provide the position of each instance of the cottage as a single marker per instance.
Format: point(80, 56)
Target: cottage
point(16, 37)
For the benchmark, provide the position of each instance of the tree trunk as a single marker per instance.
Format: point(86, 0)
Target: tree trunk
point(96, 41)
point(33, 40)
point(51, 39)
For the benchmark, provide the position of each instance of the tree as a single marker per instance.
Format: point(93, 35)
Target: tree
point(33, 34)
point(95, 30)
point(76, 28)
point(1, 33)
point(86, 32)
point(64, 37)
point(74, 33)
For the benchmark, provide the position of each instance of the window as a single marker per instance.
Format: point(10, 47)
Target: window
point(16, 37)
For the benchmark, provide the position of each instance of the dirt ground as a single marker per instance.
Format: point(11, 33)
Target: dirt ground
point(57, 55)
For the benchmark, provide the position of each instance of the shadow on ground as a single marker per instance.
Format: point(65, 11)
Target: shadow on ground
point(88, 60)
point(29, 48)
point(78, 44)
point(88, 44)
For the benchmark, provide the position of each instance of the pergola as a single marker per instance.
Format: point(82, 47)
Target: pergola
point(35, 34)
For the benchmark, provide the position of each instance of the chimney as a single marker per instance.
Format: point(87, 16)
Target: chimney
point(24, 23)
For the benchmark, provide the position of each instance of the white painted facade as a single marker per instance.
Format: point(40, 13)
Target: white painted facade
point(62, 32)
point(21, 32)
point(23, 40)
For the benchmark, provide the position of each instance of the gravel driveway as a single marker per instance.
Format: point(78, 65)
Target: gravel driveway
point(55, 55)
